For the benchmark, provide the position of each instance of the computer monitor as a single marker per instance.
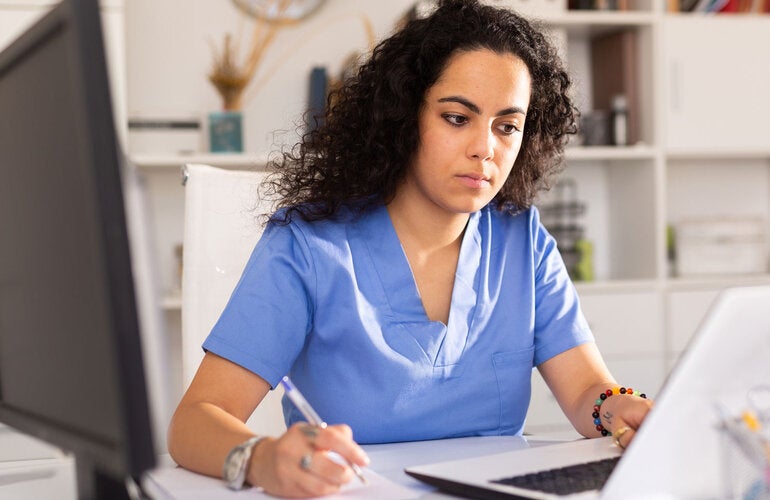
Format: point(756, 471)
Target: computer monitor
point(71, 366)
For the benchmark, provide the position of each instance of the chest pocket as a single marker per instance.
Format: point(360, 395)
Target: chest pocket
point(513, 370)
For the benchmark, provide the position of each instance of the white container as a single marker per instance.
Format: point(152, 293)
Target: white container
point(164, 136)
point(714, 246)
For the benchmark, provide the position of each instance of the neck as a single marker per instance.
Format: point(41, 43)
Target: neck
point(426, 227)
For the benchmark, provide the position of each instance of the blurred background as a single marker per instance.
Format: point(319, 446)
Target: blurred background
point(665, 195)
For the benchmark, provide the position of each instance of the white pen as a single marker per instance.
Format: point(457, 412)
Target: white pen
point(311, 416)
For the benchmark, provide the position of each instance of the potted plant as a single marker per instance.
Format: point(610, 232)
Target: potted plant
point(231, 75)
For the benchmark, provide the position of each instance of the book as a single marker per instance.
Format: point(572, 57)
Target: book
point(319, 86)
point(687, 5)
point(731, 6)
point(614, 69)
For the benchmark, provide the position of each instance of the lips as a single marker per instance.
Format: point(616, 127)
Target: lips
point(476, 181)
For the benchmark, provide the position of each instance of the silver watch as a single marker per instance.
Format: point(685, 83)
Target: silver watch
point(237, 461)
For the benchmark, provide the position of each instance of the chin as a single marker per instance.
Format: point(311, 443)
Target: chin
point(468, 207)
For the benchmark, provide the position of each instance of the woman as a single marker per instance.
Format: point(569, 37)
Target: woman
point(406, 283)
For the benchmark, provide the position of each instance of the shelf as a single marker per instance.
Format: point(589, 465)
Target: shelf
point(717, 282)
point(718, 15)
point(236, 161)
point(232, 161)
point(583, 153)
point(616, 286)
point(584, 23)
point(710, 154)
point(598, 17)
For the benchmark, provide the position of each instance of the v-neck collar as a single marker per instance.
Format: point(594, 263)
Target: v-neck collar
point(443, 344)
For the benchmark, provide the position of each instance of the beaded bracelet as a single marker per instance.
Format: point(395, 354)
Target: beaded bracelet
point(598, 403)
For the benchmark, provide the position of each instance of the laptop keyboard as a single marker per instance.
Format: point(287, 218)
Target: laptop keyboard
point(566, 480)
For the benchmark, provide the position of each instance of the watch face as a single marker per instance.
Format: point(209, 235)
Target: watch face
point(270, 10)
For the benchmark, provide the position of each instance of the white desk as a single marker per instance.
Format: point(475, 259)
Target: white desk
point(31, 469)
point(38, 479)
point(386, 473)
point(54, 478)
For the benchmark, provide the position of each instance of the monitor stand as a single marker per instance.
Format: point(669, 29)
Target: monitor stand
point(94, 484)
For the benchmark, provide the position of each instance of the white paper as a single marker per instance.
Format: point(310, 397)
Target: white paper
point(179, 483)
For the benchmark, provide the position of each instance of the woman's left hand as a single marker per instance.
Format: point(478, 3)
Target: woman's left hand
point(622, 415)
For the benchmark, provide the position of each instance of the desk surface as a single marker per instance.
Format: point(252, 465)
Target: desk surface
point(386, 473)
point(55, 477)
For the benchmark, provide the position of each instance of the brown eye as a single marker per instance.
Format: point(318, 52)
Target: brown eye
point(508, 128)
point(454, 119)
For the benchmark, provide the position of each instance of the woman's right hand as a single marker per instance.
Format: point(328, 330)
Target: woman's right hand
point(298, 464)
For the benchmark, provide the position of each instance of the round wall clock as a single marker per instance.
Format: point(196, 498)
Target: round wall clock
point(268, 10)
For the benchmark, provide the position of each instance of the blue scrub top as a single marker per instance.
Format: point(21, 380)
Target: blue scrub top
point(334, 304)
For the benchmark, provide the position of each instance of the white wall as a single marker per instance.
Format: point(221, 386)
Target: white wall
point(169, 54)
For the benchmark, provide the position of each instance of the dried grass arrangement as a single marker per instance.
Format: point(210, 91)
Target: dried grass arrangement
point(228, 74)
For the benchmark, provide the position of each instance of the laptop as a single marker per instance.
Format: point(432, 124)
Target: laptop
point(677, 452)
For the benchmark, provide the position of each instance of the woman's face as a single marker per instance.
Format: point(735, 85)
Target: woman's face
point(470, 130)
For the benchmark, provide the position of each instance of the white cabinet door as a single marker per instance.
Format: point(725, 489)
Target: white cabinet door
point(626, 324)
point(629, 331)
point(718, 78)
point(544, 414)
point(686, 311)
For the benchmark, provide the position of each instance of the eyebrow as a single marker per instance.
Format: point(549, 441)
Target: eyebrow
point(468, 104)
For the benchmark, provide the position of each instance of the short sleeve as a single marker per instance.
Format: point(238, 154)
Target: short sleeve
point(264, 325)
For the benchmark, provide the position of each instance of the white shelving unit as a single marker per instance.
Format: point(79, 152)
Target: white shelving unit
point(696, 160)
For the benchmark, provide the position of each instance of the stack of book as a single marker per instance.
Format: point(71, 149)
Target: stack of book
point(720, 6)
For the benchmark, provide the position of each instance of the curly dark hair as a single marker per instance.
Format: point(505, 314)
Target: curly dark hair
point(360, 152)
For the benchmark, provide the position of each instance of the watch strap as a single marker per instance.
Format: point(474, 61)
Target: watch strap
point(237, 462)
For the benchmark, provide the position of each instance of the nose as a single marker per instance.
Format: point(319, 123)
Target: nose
point(481, 145)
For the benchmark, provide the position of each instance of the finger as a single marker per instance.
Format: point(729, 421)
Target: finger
point(292, 475)
point(622, 436)
point(302, 434)
point(306, 462)
point(315, 459)
point(326, 467)
point(310, 431)
point(339, 438)
point(634, 410)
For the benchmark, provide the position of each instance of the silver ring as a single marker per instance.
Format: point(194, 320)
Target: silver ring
point(306, 462)
point(310, 431)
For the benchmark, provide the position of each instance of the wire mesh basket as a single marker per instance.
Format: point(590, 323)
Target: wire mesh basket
point(746, 442)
